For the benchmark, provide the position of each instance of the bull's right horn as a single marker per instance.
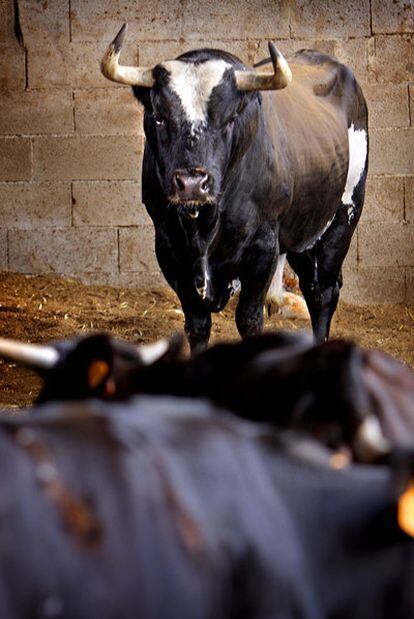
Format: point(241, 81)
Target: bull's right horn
point(132, 76)
point(259, 80)
point(44, 357)
point(370, 442)
point(150, 353)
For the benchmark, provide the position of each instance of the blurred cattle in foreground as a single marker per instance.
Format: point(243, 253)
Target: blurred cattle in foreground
point(170, 508)
point(359, 401)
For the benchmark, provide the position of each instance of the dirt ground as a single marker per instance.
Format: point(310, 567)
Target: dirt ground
point(45, 308)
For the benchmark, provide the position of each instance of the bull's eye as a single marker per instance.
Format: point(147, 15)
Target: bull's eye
point(158, 120)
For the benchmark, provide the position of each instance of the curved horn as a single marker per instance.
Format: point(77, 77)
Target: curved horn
point(370, 442)
point(44, 357)
point(132, 76)
point(256, 80)
point(150, 353)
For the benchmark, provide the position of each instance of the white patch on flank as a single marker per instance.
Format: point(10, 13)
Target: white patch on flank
point(358, 149)
point(193, 84)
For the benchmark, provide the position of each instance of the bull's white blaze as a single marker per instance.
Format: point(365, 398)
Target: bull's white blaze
point(358, 149)
point(193, 84)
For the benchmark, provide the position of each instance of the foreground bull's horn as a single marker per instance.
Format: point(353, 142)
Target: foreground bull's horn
point(370, 442)
point(44, 357)
point(150, 353)
point(132, 76)
point(256, 80)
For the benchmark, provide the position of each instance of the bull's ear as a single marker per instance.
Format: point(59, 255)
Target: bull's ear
point(93, 357)
point(98, 372)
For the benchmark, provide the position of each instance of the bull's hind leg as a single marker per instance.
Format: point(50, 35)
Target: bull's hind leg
point(319, 268)
point(320, 278)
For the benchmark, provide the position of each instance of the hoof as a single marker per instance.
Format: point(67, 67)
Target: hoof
point(289, 306)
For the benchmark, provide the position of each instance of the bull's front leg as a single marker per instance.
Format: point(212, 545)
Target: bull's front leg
point(257, 273)
point(197, 328)
point(197, 248)
point(197, 325)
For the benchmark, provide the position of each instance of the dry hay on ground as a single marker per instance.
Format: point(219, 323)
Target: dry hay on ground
point(45, 308)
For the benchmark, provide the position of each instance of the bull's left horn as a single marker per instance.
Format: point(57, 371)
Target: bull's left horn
point(257, 80)
point(44, 357)
point(132, 76)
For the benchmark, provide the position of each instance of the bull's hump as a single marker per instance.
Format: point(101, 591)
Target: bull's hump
point(194, 83)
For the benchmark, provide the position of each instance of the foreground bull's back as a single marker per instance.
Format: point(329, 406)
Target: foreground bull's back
point(141, 513)
point(169, 509)
point(243, 168)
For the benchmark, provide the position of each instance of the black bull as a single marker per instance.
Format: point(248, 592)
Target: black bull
point(347, 397)
point(235, 179)
point(169, 509)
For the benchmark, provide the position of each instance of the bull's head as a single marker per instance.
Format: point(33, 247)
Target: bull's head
point(193, 108)
point(95, 366)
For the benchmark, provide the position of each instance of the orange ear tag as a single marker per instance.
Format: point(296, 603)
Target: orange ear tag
point(406, 511)
point(98, 370)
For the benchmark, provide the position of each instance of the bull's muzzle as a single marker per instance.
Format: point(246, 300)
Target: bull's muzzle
point(191, 186)
point(191, 190)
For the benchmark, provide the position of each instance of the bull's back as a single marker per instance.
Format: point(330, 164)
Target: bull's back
point(309, 122)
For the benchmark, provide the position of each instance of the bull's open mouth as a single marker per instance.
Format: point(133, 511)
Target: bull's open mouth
point(192, 212)
point(191, 208)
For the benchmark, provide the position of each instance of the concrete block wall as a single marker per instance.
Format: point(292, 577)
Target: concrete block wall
point(71, 142)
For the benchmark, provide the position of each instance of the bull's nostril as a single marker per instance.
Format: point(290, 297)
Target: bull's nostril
point(205, 184)
point(178, 182)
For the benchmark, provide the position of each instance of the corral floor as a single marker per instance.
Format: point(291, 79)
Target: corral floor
point(46, 308)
